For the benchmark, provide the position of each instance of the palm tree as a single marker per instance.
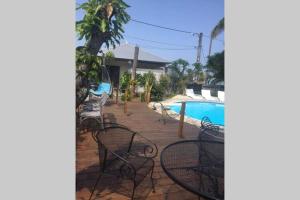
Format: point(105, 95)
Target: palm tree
point(219, 28)
point(198, 72)
point(178, 75)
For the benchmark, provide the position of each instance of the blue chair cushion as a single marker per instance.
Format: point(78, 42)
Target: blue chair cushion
point(103, 87)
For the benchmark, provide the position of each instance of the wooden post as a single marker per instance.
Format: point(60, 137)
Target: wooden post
point(134, 65)
point(125, 101)
point(181, 121)
point(117, 95)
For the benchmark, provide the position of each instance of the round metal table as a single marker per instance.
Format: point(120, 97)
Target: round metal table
point(197, 166)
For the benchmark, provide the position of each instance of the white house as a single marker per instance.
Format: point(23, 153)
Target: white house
point(123, 60)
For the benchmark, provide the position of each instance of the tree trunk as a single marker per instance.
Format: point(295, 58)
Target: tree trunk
point(149, 94)
point(210, 45)
point(96, 41)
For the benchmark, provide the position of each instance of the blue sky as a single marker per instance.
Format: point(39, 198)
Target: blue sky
point(189, 15)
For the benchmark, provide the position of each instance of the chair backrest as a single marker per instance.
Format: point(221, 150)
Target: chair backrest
point(189, 92)
point(103, 99)
point(212, 152)
point(207, 124)
point(116, 138)
point(205, 93)
point(221, 95)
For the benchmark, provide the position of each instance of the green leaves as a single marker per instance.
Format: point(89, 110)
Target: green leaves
point(216, 64)
point(219, 28)
point(125, 80)
point(103, 25)
point(87, 65)
point(103, 18)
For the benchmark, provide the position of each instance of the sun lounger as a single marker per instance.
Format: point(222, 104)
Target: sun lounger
point(206, 94)
point(190, 93)
point(221, 96)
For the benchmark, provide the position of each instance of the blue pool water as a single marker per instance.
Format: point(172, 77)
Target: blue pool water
point(197, 110)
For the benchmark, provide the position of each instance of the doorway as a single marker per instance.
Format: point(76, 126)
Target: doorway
point(114, 74)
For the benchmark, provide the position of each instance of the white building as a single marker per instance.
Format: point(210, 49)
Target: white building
point(123, 60)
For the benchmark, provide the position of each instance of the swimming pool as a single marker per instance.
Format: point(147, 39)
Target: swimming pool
point(197, 110)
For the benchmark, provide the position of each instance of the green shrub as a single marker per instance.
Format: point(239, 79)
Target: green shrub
point(140, 80)
point(157, 92)
point(142, 97)
point(125, 80)
point(128, 95)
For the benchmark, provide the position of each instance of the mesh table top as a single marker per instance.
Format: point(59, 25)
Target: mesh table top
point(197, 166)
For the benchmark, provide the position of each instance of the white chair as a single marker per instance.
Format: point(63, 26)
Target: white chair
point(94, 107)
point(221, 96)
point(190, 93)
point(206, 94)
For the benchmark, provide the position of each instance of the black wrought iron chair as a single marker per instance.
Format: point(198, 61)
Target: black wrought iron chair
point(209, 131)
point(127, 154)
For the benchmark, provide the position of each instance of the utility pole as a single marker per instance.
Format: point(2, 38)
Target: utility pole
point(134, 65)
point(199, 47)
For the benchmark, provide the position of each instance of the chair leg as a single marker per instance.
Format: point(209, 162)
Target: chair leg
point(97, 181)
point(104, 160)
point(134, 186)
point(153, 187)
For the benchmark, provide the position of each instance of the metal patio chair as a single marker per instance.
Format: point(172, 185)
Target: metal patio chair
point(93, 108)
point(164, 112)
point(127, 154)
point(209, 131)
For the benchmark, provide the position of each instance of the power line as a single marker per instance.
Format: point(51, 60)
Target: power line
point(159, 48)
point(172, 29)
point(163, 27)
point(158, 42)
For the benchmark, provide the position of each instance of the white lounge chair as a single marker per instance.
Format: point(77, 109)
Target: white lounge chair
point(206, 94)
point(221, 96)
point(190, 93)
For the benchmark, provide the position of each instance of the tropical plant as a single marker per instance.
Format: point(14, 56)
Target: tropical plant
point(164, 82)
point(126, 84)
point(88, 70)
point(89, 66)
point(178, 75)
point(157, 92)
point(215, 63)
point(149, 82)
point(219, 28)
point(140, 80)
point(198, 73)
point(102, 23)
point(190, 75)
point(125, 80)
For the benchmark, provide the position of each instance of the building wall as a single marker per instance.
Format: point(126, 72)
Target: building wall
point(143, 67)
